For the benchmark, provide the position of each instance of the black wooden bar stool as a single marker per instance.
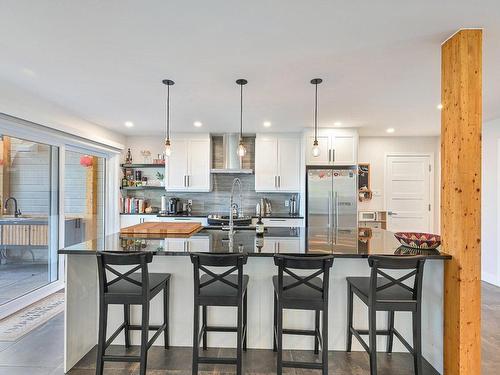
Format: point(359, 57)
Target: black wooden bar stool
point(219, 289)
point(302, 293)
point(391, 294)
point(129, 288)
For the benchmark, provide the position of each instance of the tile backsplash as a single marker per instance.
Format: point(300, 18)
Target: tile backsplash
point(217, 201)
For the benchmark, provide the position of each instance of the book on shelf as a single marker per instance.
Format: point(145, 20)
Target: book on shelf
point(130, 205)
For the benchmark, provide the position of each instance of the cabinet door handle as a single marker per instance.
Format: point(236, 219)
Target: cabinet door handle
point(189, 180)
point(333, 155)
point(185, 181)
point(279, 181)
point(275, 181)
point(329, 155)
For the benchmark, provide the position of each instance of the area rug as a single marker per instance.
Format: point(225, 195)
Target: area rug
point(24, 321)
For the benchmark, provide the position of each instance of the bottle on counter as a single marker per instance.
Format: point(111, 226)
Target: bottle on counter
point(259, 227)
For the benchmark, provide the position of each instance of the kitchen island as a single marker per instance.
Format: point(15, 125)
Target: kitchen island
point(171, 255)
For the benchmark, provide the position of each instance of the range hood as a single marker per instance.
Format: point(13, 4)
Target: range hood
point(231, 162)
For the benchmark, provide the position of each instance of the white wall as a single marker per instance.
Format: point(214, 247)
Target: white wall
point(373, 150)
point(490, 249)
point(28, 106)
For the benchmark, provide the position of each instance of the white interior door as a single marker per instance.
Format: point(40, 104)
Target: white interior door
point(408, 193)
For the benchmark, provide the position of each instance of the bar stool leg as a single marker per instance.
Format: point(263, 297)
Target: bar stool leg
point(372, 333)
point(324, 341)
point(196, 332)
point(350, 299)
point(275, 322)
point(390, 327)
point(245, 332)
point(316, 329)
point(279, 333)
point(144, 338)
point(417, 342)
point(239, 335)
point(126, 318)
point(166, 321)
point(103, 323)
point(204, 326)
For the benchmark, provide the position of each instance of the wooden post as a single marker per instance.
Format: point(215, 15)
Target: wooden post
point(461, 119)
point(5, 170)
point(91, 199)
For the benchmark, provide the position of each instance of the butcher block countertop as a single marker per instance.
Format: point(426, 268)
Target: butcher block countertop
point(165, 229)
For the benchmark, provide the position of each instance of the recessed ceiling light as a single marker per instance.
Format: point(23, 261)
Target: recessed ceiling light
point(198, 124)
point(390, 130)
point(337, 123)
point(439, 106)
point(266, 124)
point(129, 124)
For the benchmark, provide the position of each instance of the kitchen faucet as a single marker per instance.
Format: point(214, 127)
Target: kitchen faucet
point(234, 209)
point(17, 212)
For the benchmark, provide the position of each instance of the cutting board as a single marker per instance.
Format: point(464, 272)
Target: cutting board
point(166, 229)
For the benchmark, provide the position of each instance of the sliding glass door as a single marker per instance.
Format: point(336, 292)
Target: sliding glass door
point(28, 216)
point(84, 191)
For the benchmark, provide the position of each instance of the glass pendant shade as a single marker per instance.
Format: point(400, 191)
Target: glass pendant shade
point(241, 150)
point(168, 149)
point(316, 151)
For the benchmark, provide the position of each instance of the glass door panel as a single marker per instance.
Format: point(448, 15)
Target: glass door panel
point(84, 181)
point(28, 216)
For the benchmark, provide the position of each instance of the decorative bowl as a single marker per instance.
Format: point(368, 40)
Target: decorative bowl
point(417, 240)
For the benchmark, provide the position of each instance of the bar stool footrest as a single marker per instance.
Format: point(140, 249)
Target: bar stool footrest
point(300, 332)
point(217, 360)
point(121, 358)
point(306, 365)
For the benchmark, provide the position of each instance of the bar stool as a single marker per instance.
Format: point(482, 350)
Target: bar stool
point(219, 289)
point(391, 294)
point(129, 288)
point(302, 293)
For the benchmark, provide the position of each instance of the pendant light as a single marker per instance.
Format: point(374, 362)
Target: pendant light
point(241, 148)
point(316, 150)
point(167, 83)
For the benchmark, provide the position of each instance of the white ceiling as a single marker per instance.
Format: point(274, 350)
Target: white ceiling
point(380, 60)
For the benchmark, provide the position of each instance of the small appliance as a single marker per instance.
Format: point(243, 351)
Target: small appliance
point(367, 216)
point(174, 206)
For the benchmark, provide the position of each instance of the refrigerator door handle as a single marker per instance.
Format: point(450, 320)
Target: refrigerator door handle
point(336, 216)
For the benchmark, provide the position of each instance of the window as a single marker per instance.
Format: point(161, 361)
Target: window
point(28, 216)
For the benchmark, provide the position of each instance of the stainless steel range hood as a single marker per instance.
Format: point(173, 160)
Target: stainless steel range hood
point(231, 162)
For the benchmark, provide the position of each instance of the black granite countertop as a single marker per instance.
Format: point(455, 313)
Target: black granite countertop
point(290, 241)
point(204, 214)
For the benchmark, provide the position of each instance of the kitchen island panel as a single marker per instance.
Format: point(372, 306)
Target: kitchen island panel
point(82, 318)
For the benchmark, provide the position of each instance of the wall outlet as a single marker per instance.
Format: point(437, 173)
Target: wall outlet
point(287, 203)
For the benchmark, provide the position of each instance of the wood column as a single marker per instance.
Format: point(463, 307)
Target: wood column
point(91, 199)
point(461, 120)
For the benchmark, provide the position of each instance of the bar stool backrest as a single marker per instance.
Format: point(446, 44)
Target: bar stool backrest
point(136, 261)
point(413, 263)
point(319, 265)
point(203, 262)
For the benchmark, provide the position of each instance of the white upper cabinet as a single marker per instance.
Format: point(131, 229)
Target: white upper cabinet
point(277, 163)
point(337, 146)
point(188, 167)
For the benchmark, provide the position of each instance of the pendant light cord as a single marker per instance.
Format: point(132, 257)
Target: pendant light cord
point(316, 112)
point(168, 112)
point(241, 112)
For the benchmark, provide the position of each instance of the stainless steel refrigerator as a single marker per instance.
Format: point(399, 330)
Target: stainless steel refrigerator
point(331, 204)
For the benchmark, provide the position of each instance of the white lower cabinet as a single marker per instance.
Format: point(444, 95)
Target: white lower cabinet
point(129, 220)
point(277, 245)
point(193, 244)
point(281, 222)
